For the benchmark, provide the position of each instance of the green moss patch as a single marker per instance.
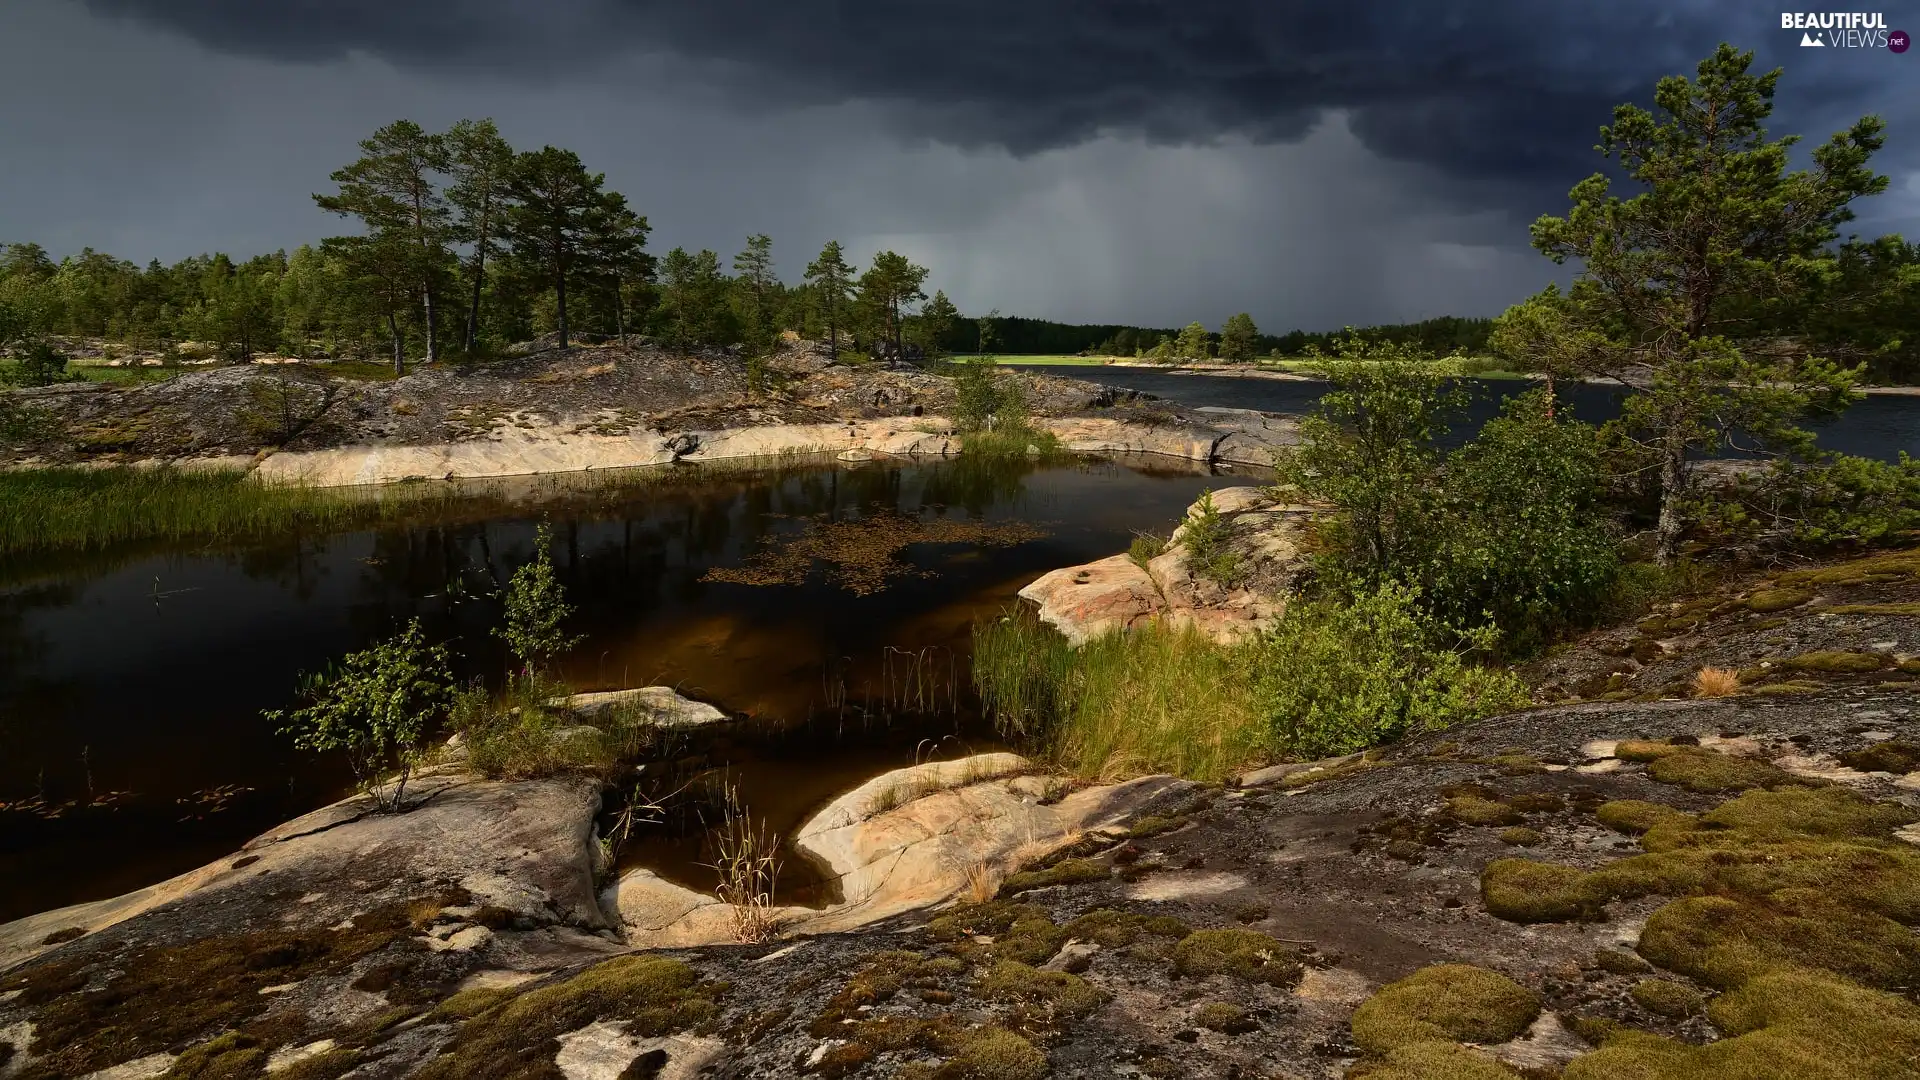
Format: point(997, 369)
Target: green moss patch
point(1524, 891)
point(1665, 997)
point(1433, 1061)
point(1043, 997)
point(993, 1053)
point(1784, 1023)
point(653, 995)
point(1114, 929)
point(1711, 773)
point(1771, 600)
point(1224, 1017)
point(1445, 1003)
point(1836, 662)
point(1064, 872)
point(1644, 750)
point(1020, 931)
point(1724, 941)
point(1889, 757)
point(1620, 963)
point(1634, 817)
point(1521, 836)
point(1475, 810)
point(1243, 954)
point(232, 1056)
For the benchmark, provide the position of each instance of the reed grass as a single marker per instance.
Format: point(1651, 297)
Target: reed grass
point(1155, 699)
point(83, 509)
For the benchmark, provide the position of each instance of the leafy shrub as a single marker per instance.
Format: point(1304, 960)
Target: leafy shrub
point(536, 605)
point(1840, 500)
point(1145, 548)
point(1205, 536)
point(375, 707)
point(1333, 677)
point(1510, 526)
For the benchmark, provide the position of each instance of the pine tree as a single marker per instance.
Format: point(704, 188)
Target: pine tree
point(480, 165)
point(1668, 276)
point(391, 190)
point(888, 288)
point(758, 290)
point(934, 323)
point(564, 224)
point(832, 281)
point(1237, 338)
point(1193, 343)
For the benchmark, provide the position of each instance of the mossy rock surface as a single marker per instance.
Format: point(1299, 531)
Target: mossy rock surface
point(1838, 662)
point(1433, 1061)
point(1635, 817)
point(1711, 773)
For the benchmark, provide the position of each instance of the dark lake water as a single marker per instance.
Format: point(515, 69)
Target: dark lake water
point(1881, 425)
point(131, 685)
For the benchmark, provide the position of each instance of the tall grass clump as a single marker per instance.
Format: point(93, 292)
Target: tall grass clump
point(1332, 677)
point(75, 509)
point(1156, 699)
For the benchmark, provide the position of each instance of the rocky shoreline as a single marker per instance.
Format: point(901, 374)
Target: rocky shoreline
point(584, 408)
point(992, 921)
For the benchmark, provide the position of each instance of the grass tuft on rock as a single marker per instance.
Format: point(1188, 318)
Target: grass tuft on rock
point(1449, 1003)
point(1242, 954)
point(232, 1056)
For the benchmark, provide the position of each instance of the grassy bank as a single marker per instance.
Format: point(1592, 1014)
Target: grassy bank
point(1331, 677)
point(83, 509)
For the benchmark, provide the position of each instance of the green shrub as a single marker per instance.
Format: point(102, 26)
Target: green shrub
point(1205, 536)
point(1509, 526)
point(1145, 548)
point(536, 605)
point(1333, 677)
point(375, 707)
point(1839, 500)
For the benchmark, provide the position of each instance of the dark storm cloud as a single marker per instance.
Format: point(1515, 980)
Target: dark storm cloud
point(1508, 90)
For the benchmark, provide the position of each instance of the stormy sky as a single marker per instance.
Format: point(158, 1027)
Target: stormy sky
point(1147, 161)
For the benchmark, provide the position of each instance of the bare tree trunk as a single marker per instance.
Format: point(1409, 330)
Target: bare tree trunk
point(399, 356)
point(473, 305)
point(432, 349)
point(560, 294)
point(1673, 487)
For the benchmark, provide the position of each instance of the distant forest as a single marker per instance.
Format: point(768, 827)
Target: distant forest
point(460, 245)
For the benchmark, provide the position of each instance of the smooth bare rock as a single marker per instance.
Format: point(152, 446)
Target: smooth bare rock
point(659, 914)
point(1105, 435)
point(1185, 885)
point(604, 1051)
point(525, 846)
point(1250, 437)
point(1100, 597)
point(661, 705)
point(1262, 537)
point(1273, 774)
point(507, 451)
point(145, 1068)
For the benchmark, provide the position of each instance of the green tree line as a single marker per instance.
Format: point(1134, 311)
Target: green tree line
point(461, 244)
